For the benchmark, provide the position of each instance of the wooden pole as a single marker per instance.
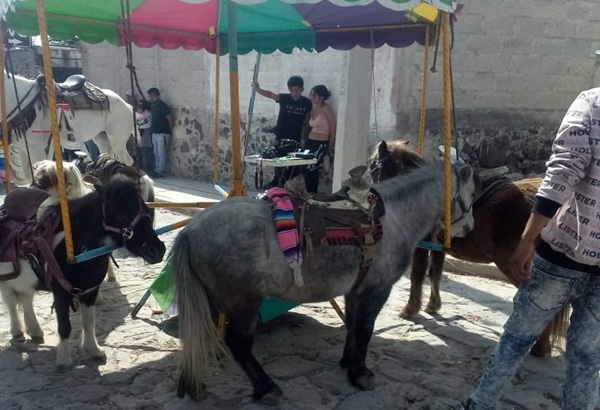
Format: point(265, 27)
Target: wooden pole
point(62, 187)
point(236, 147)
point(424, 92)
point(4, 117)
point(447, 131)
point(179, 204)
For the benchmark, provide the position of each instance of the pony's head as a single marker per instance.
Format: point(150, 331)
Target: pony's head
point(392, 158)
point(45, 177)
point(127, 219)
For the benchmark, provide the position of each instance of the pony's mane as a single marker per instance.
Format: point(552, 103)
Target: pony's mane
point(402, 156)
point(405, 185)
point(45, 177)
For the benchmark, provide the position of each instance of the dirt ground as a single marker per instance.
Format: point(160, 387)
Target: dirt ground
point(426, 363)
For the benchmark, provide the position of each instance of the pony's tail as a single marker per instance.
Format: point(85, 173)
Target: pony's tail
point(558, 330)
point(197, 330)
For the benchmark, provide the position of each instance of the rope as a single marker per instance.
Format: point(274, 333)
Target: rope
point(437, 46)
point(452, 93)
point(62, 188)
point(4, 116)
point(217, 112)
point(424, 93)
point(374, 90)
point(125, 13)
point(447, 133)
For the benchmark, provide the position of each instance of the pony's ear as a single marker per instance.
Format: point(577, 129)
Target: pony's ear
point(383, 149)
point(99, 189)
point(358, 171)
point(465, 172)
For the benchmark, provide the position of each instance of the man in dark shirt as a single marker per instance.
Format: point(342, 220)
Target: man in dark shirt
point(291, 121)
point(162, 128)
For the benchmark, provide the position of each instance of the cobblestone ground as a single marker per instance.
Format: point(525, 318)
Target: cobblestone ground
point(427, 363)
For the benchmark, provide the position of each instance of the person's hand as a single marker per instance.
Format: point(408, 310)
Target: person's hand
point(520, 261)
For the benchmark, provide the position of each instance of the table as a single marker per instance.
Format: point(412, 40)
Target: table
point(288, 162)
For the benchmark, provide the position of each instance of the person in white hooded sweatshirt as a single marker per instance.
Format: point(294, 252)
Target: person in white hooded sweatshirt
point(560, 268)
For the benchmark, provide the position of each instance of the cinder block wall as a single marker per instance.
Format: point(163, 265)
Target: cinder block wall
point(517, 64)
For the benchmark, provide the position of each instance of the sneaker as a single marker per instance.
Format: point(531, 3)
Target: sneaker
point(156, 175)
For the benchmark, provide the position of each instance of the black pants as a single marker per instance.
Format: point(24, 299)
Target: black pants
point(311, 173)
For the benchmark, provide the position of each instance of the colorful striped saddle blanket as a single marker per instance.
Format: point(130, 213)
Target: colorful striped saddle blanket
point(301, 226)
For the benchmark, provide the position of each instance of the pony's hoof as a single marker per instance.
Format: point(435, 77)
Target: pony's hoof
point(63, 367)
point(37, 339)
point(111, 279)
point(99, 357)
point(271, 398)
point(432, 308)
point(408, 312)
point(366, 381)
point(17, 339)
point(344, 362)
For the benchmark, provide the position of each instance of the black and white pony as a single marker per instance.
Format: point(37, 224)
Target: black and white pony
point(45, 177)
point(113, 213)
point(228, 260)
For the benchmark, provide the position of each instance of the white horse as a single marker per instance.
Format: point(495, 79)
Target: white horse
point(109, 129)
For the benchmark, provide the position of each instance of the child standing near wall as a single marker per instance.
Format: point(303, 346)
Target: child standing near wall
point(144, 123)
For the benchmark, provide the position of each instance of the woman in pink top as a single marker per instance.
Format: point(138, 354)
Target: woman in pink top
point(322, 135)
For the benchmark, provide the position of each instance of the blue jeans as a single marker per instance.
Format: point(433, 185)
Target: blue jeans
point(160, 143)
point(535, 305)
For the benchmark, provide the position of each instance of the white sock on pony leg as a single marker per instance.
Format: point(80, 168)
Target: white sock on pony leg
point(88, 335)
point(63, 355)
point(10, 300)
point(31, 323)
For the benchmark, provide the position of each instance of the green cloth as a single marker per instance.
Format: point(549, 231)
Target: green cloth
point(163, 288)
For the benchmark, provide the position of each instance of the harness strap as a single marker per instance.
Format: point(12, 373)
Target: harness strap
point(126, 232)
point(55, 272)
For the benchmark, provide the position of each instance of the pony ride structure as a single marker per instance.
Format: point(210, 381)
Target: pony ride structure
point(371, 25)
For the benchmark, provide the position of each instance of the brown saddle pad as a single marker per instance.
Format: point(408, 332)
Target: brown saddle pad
point(89, 97)
point(319, 222)
point(22, 204)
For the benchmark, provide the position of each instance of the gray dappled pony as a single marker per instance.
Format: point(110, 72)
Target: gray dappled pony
point(228, 260)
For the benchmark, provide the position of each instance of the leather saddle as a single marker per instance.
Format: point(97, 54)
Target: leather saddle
point(73, 83)
point(78, 93)
point(19, 208)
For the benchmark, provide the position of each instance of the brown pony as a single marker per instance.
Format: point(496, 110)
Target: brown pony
point(500, 212)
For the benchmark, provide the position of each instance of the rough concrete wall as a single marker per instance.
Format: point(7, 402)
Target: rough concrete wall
point(187, 82)
point(517, 64)
point(23, 62)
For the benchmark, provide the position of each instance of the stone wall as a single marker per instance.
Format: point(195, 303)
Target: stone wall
point(517, 64)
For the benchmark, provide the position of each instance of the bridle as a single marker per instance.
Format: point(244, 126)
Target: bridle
point(376, 168)
point(126, 232)
point(464, 209)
